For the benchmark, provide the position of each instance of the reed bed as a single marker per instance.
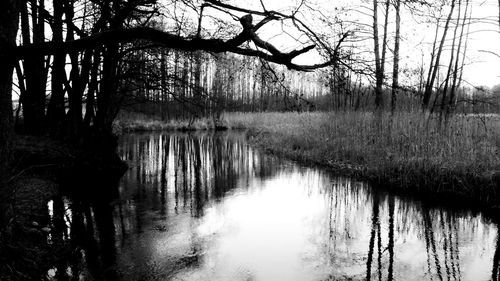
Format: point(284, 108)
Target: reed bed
point(129, 122)
point(409, 152)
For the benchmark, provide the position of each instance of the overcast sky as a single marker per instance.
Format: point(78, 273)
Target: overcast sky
point(483, 67)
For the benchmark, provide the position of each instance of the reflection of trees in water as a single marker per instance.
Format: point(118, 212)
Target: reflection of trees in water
point(495, 274)
point(390, 245)
point(440, 231)
point(87, 229)
point(344, 201)
point(385, 254)
point(443, 262)
point(187, 170)
point(390, 220)
point(194, 167)
point(375, 226)
point(181, 173)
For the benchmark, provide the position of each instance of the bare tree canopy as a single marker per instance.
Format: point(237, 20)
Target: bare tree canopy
point(264, 50)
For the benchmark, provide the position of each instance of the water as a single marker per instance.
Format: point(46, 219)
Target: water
point(207, 206)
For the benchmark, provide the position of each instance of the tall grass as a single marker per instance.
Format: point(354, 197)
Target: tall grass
point(409, 151)
point(133, 121)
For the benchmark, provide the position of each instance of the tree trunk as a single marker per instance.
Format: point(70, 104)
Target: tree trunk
point(384, 40)
point(56, 111)
point(427, 94)
point(379, 75)
point(430, 83)
point(450, 65)
point(35, 70)
point(106, 101)
point(92, 90)
point(456, 82)
point(197, 93)
point(395, 71)
point(9, 20)
point(163, 81)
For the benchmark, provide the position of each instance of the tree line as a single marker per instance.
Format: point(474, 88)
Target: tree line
point(362, 80)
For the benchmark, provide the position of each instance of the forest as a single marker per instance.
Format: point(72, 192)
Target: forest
point(401, 94)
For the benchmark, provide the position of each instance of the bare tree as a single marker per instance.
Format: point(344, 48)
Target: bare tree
point(395, 66)
point(434, 67)
point(450, 65)
point(9, 19)
point(456, 77)
point(379, 74)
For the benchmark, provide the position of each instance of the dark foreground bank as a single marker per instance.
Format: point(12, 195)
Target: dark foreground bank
point(45, 169)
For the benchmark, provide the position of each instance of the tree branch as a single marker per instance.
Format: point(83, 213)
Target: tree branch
point(167, 40)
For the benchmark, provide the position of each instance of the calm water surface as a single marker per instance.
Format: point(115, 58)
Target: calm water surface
point(207, 206)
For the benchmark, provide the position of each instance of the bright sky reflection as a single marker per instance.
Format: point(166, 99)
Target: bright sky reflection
point(240, 215)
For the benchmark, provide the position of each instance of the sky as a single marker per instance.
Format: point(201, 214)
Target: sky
point(485, 67)
point(482, 64)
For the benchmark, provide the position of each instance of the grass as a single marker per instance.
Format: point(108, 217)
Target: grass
point(409, 152)
point(131, 121)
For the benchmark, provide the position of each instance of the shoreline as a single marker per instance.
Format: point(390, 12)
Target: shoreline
point(471, 186)
point(45, 170)
point(398, 181)
point(352, 147)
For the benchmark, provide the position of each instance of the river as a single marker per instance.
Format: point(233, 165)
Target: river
point(208, 206)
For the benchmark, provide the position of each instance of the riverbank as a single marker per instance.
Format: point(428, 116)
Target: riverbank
point(24, 252)
point(43, 169)
point(137, 122)
point(408, 154)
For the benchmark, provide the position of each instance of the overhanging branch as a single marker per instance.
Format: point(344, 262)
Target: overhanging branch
point(267, 51)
